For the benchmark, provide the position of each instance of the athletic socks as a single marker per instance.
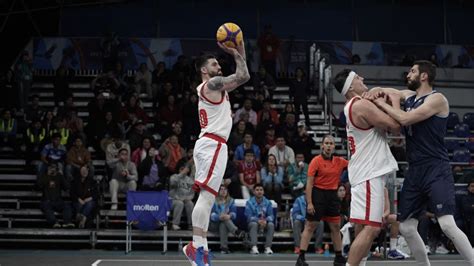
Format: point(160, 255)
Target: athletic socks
point(198, 241)
point(393, 243)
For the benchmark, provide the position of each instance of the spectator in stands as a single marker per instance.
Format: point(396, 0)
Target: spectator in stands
point(170, 112)
point(298, 214)
point(8, 130)
point(136, 136)
point(52, 183)
point(75, 124)
point(247, 144)
point(267, 110)
point(121, 76)
point(355, 60)
point(48, 122)
point(289, 109)
point(61, 129)
point(151, 172)
point(61, 85)
point(53, 152)
point(68, 106)
point(84, 195)
point(34, 140)
point(231, 178)
point(249, 173)
point(297, 174)
point(223, 216)
point(159, 75)
point(264, 83)
point(299, 94)
point(171, 152)
point(246, 109)
point(260, 219)
point(166, 90)
point(272, 178)
point(34, 110)
point(237, 135)
point(467, 211)
point(434, 59)
point(24, 78)
point(288, 129)
point(345, 203)
point(112, 154)
point(268, 141)
point(177, 129)
point(132, 106)
point(77, 157)
point(190, 117)
point(100, 132)
point(182, 194)
point(105, 83)
point(188, 161)
point(269, 46)
point(303, 142)
point(284, 154)
point(124, 177)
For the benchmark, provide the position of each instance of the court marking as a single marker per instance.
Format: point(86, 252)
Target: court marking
point(97, 262)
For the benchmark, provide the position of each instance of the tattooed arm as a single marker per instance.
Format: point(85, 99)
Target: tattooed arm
point(240, 76)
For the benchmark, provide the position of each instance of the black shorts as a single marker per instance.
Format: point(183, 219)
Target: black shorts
point(326, 204)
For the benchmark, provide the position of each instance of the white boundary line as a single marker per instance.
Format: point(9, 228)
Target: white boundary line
point(96, 263)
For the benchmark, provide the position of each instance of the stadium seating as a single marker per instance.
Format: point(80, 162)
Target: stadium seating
point(461, 155)
point(462, 130)
point(453, 120)
point(469, 120)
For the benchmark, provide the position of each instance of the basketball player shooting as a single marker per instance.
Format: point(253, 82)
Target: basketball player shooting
point(210, 151)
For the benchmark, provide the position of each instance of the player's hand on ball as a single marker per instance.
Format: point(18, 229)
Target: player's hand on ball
point(227, 49)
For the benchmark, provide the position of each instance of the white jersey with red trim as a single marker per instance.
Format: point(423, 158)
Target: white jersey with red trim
point(214, 117)
point(370, 154)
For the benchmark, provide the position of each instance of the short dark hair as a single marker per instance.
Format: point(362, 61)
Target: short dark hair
point(202, 60)
point(425, 66)
point(122, 149)
point(249, 151)
point(55, 135)
point(257, 185)
point(339, 80)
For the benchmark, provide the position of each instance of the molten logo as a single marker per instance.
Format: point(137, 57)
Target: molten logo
point(146, 207)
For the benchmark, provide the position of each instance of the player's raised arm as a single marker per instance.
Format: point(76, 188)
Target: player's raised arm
point(377, 92)
point(368, 114)
point(241, 75)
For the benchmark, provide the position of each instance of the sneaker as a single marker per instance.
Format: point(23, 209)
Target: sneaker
point(301, 262)
point(194, 255)
point(239, 234)
point(319, 250)
point(69, 225)
point(82, 222)
point(254, 250)
point(427, 250)
point(56, 225)
point(207, 258)
point(442, 250)
point(268, 251)
point(225, 251)
point(339, 261)
point(393, 254)
point(175, 227)
point(297, 250)
point(113, 207)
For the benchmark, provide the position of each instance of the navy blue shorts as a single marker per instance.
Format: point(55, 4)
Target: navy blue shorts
point(427, 186)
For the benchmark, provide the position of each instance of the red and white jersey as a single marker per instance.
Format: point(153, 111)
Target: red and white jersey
point(370, 154)
point(214, 117)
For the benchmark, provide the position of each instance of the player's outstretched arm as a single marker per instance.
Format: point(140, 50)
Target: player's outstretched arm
point(377, 92)
point(240, 76)
point(435, 104)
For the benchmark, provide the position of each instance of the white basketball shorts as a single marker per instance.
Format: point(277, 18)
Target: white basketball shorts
point(210, 159)
point(367, 202)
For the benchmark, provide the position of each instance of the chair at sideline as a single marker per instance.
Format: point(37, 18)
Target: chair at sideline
point(468, 119)
point(462, 130)
point(461, 155)
point(147, 210)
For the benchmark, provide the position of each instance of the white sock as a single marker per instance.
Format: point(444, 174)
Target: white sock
point(393, 243)
point(460, 240)
point(198, 241)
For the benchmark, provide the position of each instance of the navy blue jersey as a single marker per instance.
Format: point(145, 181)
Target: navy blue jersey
point(425, 139)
